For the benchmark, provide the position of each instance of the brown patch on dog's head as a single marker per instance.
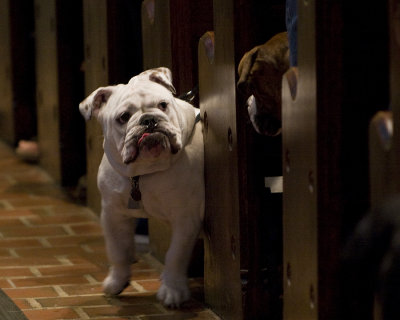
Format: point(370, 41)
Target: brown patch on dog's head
point(163, 79)
point(260, 74)
point(161, 75)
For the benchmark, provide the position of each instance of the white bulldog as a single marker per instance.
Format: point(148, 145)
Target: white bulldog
point(152, 136)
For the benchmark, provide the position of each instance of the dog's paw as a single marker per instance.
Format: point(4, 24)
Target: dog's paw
point(115, 283)
point(173, 297)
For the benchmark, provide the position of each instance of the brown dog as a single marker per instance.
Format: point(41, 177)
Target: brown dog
point(260, 71)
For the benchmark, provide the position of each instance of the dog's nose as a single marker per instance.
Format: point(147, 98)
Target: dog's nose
point(148, 122)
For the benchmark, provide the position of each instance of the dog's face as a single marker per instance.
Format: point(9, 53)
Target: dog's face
point(144, 126)
point(260, 71)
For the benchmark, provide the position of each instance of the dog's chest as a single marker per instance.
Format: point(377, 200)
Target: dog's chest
point(164, 193)
point(159, 194)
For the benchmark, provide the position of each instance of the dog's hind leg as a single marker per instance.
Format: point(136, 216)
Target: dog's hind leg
point(174, 288)
point(119, 232)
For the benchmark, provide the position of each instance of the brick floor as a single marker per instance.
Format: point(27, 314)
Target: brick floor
point(52, 258)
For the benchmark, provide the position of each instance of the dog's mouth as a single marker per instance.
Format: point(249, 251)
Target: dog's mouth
point(149, 144)
point(144, 135)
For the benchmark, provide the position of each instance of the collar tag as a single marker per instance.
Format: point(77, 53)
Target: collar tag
point(135, 191)
point(136, 196)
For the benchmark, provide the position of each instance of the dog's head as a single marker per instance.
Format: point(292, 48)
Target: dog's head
point(144, 125)
point(260, 78)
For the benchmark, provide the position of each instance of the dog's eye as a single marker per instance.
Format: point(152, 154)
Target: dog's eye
point(124, 117)
point(163, 105)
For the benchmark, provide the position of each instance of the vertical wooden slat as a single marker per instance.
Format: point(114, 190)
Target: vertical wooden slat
point(59, 88)
point(22, 70)
point(17, 79)
point(242, 218)
point(300, 225)
point(47, 86)
point(325, 152)
point(96, 75)
point(382, 160)
point(22, 29)
point(6, 111)
point(156, 34)
point(218, 109)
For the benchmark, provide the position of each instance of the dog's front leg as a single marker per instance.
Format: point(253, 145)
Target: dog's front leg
point(174, 288)
point(119, 233)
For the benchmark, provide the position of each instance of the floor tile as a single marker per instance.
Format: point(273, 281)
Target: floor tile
point(53, 259)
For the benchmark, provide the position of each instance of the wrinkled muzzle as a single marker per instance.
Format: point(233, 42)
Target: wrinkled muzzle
point(150, 137)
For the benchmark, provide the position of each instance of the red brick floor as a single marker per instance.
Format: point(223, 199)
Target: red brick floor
point(52, 257)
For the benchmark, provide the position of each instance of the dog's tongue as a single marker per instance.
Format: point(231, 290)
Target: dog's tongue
point(142, 137)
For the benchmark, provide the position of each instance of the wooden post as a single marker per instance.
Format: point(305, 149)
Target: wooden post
point(156, 31)
point(6, 123)
point(60, 88)
point(18, 112)
point(325, 152)
point(243, 220)
point(382, 159)
point(218, 109)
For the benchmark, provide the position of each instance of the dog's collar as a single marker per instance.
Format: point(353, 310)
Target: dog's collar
point(190, 95)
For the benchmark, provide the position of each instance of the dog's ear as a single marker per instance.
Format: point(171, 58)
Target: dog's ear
point(244, 68)
point(161, 75)
point(92, 104)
